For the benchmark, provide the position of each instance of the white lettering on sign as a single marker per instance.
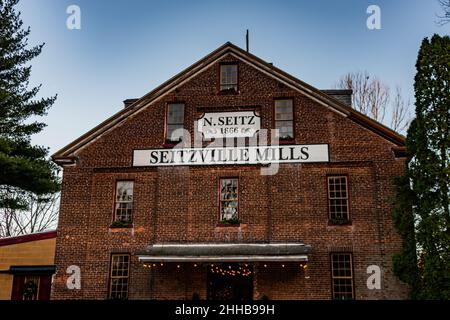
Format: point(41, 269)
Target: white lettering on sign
point(229, 124)
point(234, 155)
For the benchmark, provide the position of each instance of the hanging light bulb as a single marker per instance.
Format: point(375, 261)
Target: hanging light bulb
point(178, 266)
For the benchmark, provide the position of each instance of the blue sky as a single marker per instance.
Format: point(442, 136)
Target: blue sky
point(126, 48)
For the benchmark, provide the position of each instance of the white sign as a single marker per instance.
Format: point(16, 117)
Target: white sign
point(227, 156)
point(229, 124)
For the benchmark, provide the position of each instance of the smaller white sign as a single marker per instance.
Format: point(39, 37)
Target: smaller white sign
point(239, 124)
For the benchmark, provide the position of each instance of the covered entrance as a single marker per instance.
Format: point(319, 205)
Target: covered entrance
point(218, 271)
point(31, 282)
point(230, 281)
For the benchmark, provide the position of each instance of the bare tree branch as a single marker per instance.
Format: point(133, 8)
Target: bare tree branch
point(39, 214)
point(372, 98)
point(370, 95)
point(378, 100)
point(400, 112)
point(444, 18)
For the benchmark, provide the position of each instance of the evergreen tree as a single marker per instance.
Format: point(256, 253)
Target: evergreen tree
point(405, 263)
point(23, 167)
point(425, 187)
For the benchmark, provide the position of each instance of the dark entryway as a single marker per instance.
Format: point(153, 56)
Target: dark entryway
point(31, 287)
point(230, 282)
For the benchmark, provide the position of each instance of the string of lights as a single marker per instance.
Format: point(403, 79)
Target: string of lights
point(226, 269)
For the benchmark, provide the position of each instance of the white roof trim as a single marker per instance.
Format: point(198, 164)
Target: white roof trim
point(226, 245)
point(268, 258)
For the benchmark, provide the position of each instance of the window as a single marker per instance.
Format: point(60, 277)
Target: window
point(118, 283)
point(228, 77)
point(342, 275)
point(338, 199)
point(229, 200)
point(284, 119)
point(175, 120)
point(124, 201)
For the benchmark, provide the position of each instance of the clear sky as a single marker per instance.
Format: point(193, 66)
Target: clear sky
point(125, 48)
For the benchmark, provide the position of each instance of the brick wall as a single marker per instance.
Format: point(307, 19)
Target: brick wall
point(180, 204)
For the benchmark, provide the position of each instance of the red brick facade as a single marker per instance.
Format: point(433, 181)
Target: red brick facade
point(180, 204)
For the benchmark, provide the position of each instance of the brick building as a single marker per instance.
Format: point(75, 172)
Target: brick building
point(145, 216)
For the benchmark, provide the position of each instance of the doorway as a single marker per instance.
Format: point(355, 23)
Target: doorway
point(31, 287)
point(230, 281)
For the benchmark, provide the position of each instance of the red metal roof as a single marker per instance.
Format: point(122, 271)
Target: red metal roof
point(28, 238)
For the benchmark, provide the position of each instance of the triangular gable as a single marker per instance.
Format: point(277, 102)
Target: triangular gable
point(67, 154)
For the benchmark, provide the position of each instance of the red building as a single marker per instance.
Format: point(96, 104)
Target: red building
point(145, 216)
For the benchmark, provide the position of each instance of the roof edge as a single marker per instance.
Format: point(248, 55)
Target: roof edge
point(28, 238)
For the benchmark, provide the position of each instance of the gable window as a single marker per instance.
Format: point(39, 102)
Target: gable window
point(123, 207)
point(229, 200)
point(175, 120)
point(284, 119)
point(342, 276)
point(338, 199)
point(229, 77)
point(119, 276)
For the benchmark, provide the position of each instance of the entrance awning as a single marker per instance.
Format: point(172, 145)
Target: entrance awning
point(30, 270)
point(225, 252)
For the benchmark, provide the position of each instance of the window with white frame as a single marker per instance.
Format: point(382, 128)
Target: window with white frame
point(124, 201)
point(284, 119)
point(119, 276)
point(229, 200)
point(229, 77)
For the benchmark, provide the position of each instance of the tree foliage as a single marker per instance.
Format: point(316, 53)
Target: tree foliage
point(425, 188)
point(22, 165)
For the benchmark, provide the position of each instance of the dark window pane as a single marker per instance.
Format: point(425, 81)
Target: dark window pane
point(175, 120)
point(342, 276)
point(338, 197)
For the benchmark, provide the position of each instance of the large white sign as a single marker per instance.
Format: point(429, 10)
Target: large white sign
point(235, 155)
point(229, 124)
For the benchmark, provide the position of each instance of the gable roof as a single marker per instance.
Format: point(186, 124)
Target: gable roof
point(67, 154)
